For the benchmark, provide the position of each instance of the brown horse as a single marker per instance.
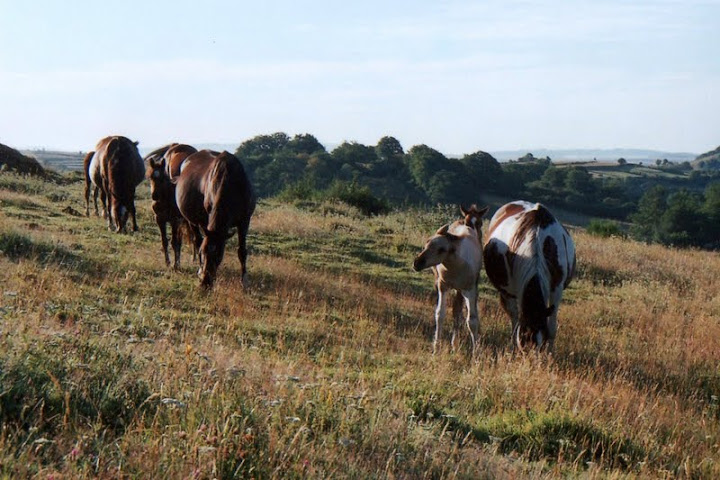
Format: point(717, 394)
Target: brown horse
point(214, 194)
point(161, 163)
point(115, 169)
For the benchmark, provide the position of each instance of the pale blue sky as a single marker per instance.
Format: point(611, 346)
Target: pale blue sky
point(457, 75)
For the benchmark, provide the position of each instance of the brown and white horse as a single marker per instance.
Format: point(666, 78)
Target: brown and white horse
point(160, 165)
point(455, 255)
point(115, 168)
point(530, 258)
point(214, 195)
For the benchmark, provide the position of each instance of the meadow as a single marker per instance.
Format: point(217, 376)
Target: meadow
point(114, 366)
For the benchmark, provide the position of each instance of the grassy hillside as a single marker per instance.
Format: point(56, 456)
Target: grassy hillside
point(114, 366)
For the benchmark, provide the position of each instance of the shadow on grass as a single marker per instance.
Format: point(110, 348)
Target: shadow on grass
point(17, 246)
point(539, 436)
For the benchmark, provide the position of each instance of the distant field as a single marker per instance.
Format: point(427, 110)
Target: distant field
point(115, 367)
point(62, 161)
point(612, 169)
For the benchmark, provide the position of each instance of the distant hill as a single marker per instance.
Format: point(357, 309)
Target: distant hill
point(219, 147)
point(708, 161)
point(585, 154)
point(58, 160)
point(11, 159)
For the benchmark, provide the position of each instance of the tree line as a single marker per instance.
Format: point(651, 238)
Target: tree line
point(377, 177)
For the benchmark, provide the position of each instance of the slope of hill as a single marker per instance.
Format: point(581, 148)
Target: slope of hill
point(113, 365)
point(11, 159)
point(708, 161)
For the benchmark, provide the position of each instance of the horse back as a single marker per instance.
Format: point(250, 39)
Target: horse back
point(229, 199)
point(174, 158)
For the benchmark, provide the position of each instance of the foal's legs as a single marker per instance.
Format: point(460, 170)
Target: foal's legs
point(473, 322)
point(440, 312)
point(162, 225)
point(176, 242)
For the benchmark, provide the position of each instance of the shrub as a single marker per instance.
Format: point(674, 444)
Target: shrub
point(358, 196)
point(605, 228)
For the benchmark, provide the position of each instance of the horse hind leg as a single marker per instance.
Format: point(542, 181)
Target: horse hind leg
point(96, 192)
point(132, 212)
point(176, 242)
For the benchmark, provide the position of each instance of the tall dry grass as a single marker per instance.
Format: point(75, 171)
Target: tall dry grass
point(115, 367)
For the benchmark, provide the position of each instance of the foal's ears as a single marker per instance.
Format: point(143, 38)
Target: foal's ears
point(157, 163)
point(444, 232)
point(474, 210)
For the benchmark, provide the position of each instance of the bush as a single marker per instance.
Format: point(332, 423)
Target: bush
point(302, 190)
point(605, 228)
point(358, 196)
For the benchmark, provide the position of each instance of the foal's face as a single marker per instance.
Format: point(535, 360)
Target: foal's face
point(158, 177)
point(435, 252)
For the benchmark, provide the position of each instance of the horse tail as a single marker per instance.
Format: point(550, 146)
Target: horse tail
point(86, 167)
point(188, 235)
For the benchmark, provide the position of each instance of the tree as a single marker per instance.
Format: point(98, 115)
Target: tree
point(682, 223)
point(442, 179)
point(305, 143)
point(388, 147)
point(621, 161)
point(354, 154)
point(484, 171)
point(263, 144)
point(650, 209)
point(578, 181)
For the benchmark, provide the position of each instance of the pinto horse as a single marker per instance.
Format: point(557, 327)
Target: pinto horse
point(214, 195)
point(530, 259)
point(161, 164)
point(455, 255)
point(115, 169)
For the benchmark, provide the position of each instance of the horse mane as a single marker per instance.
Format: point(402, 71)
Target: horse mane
point(159, 152)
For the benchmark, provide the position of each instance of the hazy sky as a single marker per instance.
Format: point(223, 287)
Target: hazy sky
point(457, 75)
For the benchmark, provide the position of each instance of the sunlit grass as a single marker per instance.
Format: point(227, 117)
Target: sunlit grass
point(114, 366)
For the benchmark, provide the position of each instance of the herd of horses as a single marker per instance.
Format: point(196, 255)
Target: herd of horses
point(206, 196)
point(206, 192)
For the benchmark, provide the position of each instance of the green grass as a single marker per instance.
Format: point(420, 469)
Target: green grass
point(114, 366)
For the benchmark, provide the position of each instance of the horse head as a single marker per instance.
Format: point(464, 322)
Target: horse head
point(473, 216)
point(212, 251)
point(437, 249)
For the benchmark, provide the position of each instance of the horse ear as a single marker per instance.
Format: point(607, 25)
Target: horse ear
point(483, 210)
point(443, 230)
point(464, 210)
point(451, 237)
point(136, 143)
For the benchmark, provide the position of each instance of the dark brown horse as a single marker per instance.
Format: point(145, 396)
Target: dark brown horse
point(160, 165)
point(115, 169)
point(214, 195)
